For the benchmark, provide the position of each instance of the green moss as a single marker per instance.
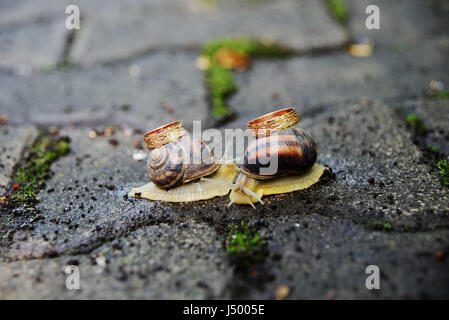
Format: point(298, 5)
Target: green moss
point(443, 165)
point(220, 81)
point(443, 94)
point(432, 148)
point(380, 226)
point(416, 123)
point(60, 66)
point(221, 84)
point(31, 174)
point(244, 246)
point(241, 240)
point(251, 47)
point(398, 47)
point(212, 3)
point(339, 9)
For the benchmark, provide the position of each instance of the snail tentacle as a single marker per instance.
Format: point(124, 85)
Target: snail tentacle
point(252, 194)
point(251, 203)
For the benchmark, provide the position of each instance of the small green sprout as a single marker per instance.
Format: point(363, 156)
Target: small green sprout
point(432, 148)
point(443, 94)
point(443, 165)
point(416, 123)
point(379, 225)
point(244, 247)
point(339, 9)
point(241, 240)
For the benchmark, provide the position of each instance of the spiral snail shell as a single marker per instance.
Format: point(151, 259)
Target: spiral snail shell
point(294, 150)
point(279, 149)
point(174, 158)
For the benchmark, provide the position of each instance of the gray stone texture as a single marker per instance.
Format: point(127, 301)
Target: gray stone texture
point(155, 262)
point(401, 21)
point(32, 34)
point(135, 71)
point(143, 26)
point(145, 93)
point(314, 82)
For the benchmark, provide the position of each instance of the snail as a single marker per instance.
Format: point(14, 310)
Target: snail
point(175, 160)
point(281, 159)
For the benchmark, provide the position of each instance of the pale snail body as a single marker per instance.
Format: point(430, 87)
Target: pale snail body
point(175, 159)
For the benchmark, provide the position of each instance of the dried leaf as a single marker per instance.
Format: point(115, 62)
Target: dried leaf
point(231, 59)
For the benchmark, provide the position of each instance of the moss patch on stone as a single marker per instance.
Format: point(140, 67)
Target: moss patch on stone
point(339, 9)
point(244, 246)
point(380, 226)
point(35, 169)
point(443, 166)
point(221, 85)
point(432, 147)
point(443, 94)
point(18, 210)
point(220, 80)
point(416, 123)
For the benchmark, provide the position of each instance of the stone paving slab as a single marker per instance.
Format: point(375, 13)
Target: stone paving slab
point(16, 12)
point(187, 261)
point(183, 261)
point(90, 178)
point(32, 34)
point(31, 46)
point(141, 26)
point(378, 178)
point(370, 141)
point(325, 258)
point(400, 21)
point(13, 140)
point(145, 93)
point(311, 83)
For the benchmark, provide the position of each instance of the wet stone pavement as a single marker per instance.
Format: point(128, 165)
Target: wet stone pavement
point(133, 68)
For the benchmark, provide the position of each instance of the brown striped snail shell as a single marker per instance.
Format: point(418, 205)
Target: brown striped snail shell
point(280, 148)
point(294, 149)
point(175, 159)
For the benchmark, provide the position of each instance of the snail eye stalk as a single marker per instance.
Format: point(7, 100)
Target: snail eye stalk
point(252, 194)
point(251, 203)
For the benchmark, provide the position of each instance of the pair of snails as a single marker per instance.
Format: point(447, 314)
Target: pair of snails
point(280, 159)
